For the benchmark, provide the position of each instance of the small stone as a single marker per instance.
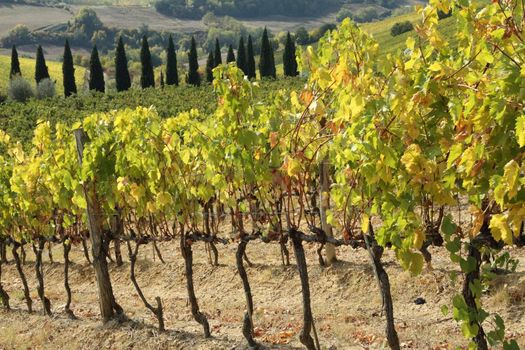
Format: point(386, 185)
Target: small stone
point(420, 301)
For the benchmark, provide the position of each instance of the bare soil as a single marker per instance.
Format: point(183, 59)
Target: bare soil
point(345, 301)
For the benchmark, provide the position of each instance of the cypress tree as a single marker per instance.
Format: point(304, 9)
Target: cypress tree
point(122, 78)
point(218, 55)
point(241, 56)
point(41, 71)
point(209, 67)
point(15, 64)
point(96, 73)
point(161, 80)
point(272, 63)
point(250, 60)
point(68, 72)
point(266, 62)
point(147, 79)
point(289, 60)
point(193, 73)
point(172, 75)
point(231, 56)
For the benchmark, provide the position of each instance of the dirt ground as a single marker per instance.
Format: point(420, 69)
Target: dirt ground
point(345, 301)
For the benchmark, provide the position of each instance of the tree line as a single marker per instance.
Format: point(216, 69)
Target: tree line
point(169, 75)
point(245, 8)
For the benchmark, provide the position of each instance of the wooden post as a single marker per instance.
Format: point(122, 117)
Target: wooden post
point(324, 198)
point(108, 306)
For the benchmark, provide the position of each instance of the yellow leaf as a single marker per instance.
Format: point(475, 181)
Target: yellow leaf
point(365, 223)
point(411, 158)
point(164, 198)
point(293, 168)
point(479, 217)
point(357, 105)
point(520, 128)
point(419, 239)
point(516, 217)
point(4, 137)
point(435, 67)
point(137, 192)
point(500, 228)
point(411, 43)
point(510, 176)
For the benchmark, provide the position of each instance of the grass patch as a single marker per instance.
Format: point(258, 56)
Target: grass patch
point(27, 65)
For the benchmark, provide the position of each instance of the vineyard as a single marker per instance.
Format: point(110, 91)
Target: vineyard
point(20, 119)
point(410, 160)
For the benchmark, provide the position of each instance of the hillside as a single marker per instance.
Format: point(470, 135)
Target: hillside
point(380, 31)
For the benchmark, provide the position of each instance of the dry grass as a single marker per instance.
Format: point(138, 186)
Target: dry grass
point(345, 302)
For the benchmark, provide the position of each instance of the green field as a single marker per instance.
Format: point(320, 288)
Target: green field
point(27, 65)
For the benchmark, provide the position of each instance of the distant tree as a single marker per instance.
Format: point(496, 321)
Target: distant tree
point(86, 23)
point(41, 71)
point(401, 27)
point(147, 78)
point(241, 56)
point(302, 35)
point(122, 78)
point(443, 15)
point(193, 73)
point(343, 13)
point(230, 57)
point(68, 72)
point(96, 73)
point(250, 60)
point(289, 59)
point(210, 63)
point(161, 80)
point(218, 54)
point(266, 62)
point(172, 75)
point(15, 64)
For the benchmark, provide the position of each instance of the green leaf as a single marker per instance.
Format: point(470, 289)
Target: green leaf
point(448, 227)
point(468, 265)
point(469, 330)
point(455, 152)
point(444, 310)
point(485, 57)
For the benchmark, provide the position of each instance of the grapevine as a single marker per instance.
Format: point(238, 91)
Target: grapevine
point(404, 140)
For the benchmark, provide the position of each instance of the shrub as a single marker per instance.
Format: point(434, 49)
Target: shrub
point(401, 27)
point(19, 89)
point(45, 89)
